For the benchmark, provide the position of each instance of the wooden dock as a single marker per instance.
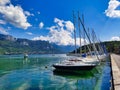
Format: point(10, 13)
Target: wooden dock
point(115, 65)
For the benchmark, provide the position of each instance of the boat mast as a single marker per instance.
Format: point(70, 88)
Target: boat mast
point(93, 39)
point(84, 36)
point(82, 23)
point(84, 43)
point(80, 34)
point(99, 46)
point(74, 31)
point(103, 48)
point(89, 46)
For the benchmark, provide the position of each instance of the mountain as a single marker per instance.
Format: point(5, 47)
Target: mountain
point(111, 47)
point(12, 45)
point(7, 37)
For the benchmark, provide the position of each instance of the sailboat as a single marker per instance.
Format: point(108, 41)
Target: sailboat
point(102, 52)
point(80, 63)
point(25, 55)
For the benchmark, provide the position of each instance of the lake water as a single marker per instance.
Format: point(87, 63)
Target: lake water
point(37, 73)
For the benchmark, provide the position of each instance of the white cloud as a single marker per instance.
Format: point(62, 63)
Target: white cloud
point(69, 25)
point(115, 38)
point(14, 14)
point(2, 22)
point(111, 11)
point(41, 25)
point(61, 33)
point(28, 13)
point(59, 22)
point(3, 31)
point(42, 38)
point(4, 2)
point(29, 33)
point(83, 41)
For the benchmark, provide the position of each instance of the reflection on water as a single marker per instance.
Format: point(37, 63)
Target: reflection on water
point(85, 80)
point(37, 73)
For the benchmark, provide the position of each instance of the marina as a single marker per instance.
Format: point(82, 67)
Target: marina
point(94, 50)
point(59, 45)
point(32, 74)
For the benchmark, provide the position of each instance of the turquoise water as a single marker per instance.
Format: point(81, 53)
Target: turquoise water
point(37, 73)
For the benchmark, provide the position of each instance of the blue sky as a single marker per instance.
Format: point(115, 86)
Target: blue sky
point(52, 20)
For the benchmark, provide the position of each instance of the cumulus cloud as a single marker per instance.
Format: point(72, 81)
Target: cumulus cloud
point(14, 15)
point(59, 22)
point(41, 25)
point(28, 13)
point(44, 38)
point(115, 38)
point(29, 33)
point(4, 2)
point(61, 33)
point(3, 31)
point(111, 11)
point(69, 26)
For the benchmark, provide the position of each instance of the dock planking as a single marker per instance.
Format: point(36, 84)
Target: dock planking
point(115, 65)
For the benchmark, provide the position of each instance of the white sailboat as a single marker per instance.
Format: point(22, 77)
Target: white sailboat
point(25, 55)
point(102, 53)
point(80, 63)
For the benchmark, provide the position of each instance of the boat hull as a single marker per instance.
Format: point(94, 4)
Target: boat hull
point(74, 67)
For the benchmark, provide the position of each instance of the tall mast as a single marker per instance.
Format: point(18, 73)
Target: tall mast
point(84, 35)
point(89, 47)
point(74, 18)
point(93, 37)
point(80, 33)
point(99, 46)
point(102, 47)
point(82, 23)
point(84, 42)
